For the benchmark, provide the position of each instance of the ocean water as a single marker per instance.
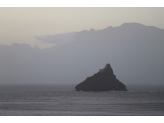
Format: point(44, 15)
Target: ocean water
point(61, 100)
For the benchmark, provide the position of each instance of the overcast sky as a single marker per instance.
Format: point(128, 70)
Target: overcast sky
point(22, 25)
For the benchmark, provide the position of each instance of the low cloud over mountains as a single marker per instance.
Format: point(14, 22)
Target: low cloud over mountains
point(134, 51)
point(58, 39)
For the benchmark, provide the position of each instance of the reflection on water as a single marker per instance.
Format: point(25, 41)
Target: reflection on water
point(61, 100)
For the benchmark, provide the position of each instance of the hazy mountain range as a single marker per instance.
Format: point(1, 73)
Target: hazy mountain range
point(134, 51)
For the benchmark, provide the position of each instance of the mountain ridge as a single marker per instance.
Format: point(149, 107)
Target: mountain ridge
point(136, 53)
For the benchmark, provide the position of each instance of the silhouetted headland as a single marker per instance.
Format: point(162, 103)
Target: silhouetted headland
point(104, 80)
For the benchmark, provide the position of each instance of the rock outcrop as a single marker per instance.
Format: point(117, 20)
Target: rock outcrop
point(104, 80)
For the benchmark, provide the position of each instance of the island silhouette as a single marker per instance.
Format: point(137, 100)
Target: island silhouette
point(104, 80)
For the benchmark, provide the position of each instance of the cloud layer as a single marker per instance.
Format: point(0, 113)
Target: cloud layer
point(58, 39)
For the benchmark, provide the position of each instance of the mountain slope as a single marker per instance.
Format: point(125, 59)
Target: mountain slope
point(135, 52)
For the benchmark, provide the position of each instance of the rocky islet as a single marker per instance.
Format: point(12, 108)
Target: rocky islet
point(104, 80)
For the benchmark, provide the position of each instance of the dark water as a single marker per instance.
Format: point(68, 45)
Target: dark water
point(58, 100)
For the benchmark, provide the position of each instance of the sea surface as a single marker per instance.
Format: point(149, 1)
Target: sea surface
point(62, 100)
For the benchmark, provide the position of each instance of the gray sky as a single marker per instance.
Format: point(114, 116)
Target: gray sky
point(22, 25)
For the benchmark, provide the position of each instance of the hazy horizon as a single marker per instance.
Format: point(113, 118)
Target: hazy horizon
point(135, 52)
point(67, 45)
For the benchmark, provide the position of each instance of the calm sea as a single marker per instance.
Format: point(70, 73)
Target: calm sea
point(59, 100)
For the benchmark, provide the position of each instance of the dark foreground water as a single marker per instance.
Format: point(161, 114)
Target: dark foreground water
point(59, 100)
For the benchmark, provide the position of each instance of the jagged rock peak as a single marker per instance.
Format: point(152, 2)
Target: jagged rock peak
point(104, 80)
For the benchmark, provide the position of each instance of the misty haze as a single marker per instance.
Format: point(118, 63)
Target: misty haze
point(61, 62)
point(134, 51)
